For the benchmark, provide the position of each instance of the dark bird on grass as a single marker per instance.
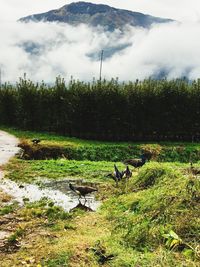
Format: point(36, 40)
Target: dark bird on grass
point(127, 173)
point(36, 141)
point(100, 253)
point(82, 191)
point(136, 162)
point(117, 175)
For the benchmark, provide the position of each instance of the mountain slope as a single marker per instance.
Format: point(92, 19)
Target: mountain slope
point(95, 15)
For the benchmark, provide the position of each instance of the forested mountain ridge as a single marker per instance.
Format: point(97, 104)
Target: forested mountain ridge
point(96, 15)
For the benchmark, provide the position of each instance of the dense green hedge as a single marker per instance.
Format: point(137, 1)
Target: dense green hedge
point(107, 110)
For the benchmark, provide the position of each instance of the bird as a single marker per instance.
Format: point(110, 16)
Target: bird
point(127, 173)
point(117, 175)
point(82, 191)
point(100, 252)
point(36, 141)
point(136, 162)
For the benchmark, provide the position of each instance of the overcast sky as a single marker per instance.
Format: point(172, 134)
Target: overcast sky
point(182, 10)
point(63, 50)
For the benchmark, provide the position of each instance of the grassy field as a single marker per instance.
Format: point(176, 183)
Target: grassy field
point(54, 146)
point(63, 140)
point(153, 220)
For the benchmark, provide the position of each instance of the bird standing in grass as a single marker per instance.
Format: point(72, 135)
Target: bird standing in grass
point(82, 191)
point(136, 162)
point(127, 173)
point(117, 175)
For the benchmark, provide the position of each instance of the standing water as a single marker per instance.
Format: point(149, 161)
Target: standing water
point(57, 191)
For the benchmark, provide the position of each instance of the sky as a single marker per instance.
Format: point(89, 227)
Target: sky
point(63, 50)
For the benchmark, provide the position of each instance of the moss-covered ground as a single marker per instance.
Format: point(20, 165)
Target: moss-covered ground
point(152, 220)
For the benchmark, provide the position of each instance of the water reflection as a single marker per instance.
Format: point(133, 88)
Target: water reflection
point(81, 206)
point(57, 191)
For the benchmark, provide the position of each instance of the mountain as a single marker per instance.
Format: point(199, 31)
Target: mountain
point(96, 15)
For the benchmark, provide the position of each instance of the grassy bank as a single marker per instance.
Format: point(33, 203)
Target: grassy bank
point(55, 146)
point(152, 221)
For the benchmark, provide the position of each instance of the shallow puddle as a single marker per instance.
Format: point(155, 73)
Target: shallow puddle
point(57, 191)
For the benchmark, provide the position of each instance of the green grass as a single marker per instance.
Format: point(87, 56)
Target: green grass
point(45, 208)
point(130, 225)
point(134, 219)
point(8, 209)
point(17, 234)
point(60, 260)
point(56, 139)
point(54, 146)
point(31, 170)
point(22, 134)
point(165, 199)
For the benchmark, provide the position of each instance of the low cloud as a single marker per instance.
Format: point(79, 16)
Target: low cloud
point(45, 50)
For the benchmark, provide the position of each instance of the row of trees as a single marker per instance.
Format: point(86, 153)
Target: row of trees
point(106, 110)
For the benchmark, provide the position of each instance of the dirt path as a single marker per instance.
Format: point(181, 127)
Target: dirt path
point(8, 147)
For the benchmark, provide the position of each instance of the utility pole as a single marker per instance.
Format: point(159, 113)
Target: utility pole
point(101, 63)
